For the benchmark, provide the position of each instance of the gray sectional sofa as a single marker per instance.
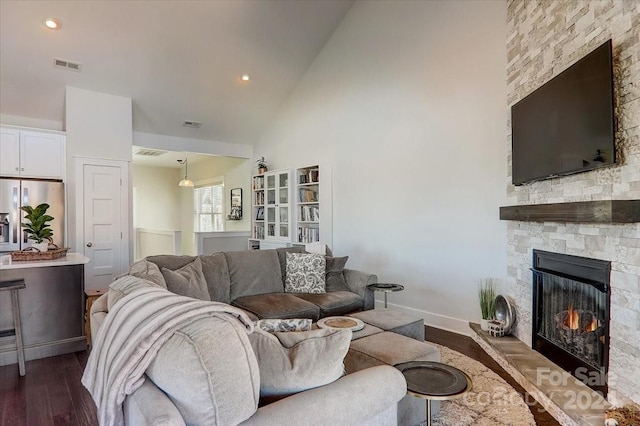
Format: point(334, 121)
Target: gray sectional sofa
point(253, 281)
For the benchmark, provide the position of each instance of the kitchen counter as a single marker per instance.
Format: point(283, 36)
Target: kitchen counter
point(69, 259)
point(51, 306)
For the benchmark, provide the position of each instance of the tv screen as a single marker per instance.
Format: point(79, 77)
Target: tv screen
point(567, 125)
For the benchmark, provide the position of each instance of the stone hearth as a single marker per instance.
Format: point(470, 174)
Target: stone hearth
point(567, 399)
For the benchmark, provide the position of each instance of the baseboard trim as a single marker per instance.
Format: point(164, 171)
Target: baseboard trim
point(455, 325)
point(9, 355)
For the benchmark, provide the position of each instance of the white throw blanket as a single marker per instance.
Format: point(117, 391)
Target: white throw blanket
point(129, 339)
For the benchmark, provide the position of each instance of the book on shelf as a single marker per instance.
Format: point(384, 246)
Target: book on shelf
point(308, 176)
point(258, 182)
point(309, 213)
point(307, 195)
point(308, 234)
point(259, 198)
point(258, 232)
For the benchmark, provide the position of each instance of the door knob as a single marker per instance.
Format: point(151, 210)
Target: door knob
point(89, 244)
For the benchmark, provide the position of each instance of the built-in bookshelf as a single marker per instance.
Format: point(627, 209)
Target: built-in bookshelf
point(271, 209)
point(292, 207)
point(257, 207)
point(308, 204)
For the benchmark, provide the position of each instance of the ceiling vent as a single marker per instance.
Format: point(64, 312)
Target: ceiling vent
point(149, 152)
point(194, 124)
point(63, 63)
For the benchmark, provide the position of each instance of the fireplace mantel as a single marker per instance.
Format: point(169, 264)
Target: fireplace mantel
point(611, 211)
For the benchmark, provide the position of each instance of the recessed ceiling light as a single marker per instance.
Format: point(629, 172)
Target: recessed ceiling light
point(246, 77)
point(51, 23)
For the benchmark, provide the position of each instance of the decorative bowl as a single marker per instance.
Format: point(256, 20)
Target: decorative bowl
point(505, 313)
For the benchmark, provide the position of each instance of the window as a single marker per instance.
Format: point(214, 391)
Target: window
point(208, 208)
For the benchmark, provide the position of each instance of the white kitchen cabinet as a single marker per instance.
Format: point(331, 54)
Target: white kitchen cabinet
point(9, 152)
point(31, 153)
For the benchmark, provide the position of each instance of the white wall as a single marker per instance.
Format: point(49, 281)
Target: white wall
point(157, 197)
point(236, 173)
point(407, 102)
point(98, 125)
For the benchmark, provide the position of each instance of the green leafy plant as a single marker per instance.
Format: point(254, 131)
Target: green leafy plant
point(487, 297)
point(261, 163)
point(38, 228)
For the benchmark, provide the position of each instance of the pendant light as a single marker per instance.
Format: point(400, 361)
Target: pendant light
point(185, 182)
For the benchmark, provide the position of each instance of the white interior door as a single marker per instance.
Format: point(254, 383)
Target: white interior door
point(103, 196)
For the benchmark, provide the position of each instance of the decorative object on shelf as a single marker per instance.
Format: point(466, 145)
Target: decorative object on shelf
point(260, 213)
point(496, 328)
point(236, 204)
point(261, 164)
point(505, 313)
point(37, 227)
point(186, 182)
point(31, 253)
point(487, 298)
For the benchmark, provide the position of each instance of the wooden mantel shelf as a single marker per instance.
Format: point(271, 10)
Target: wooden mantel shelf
point(611, 211)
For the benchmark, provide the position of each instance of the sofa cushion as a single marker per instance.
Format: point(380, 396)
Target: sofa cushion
point(335, 280)
point(295, 361)
point(395, 321)
point(282, 258)
point(253, 272)
point(187, 281)
point(147, 271)
point(335, 302)
point(211, 383)
point(305, 273)
point(216, 273)
point(278, 305)
point(170, 261)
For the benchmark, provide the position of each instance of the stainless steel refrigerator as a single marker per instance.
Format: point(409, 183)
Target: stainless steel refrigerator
point(15, 193)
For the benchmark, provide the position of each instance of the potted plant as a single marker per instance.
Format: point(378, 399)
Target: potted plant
point(37, 227)
point(261, 164)
point(487, 298)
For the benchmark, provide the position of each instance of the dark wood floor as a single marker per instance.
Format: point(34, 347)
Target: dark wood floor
point(51, 392)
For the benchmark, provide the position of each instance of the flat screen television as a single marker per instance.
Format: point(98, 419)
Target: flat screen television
point(567, 125)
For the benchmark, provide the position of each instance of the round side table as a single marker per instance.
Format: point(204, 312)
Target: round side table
point(434, 381)
point(385, 288)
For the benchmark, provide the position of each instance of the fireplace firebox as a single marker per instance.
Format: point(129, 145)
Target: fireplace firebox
point(571, 314)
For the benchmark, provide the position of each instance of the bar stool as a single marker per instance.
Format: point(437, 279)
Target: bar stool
point(14, 286)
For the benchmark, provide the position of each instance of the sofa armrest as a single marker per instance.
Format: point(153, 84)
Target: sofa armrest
point(98, 312)
point(358, 282)
point(352, 400)
point(148, 405)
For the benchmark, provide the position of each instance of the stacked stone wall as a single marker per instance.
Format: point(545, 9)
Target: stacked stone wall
point(543, 39)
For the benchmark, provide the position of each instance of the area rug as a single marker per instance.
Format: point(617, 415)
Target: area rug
point(491, 402)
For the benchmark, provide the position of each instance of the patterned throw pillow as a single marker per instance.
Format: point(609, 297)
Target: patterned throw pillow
point(305, 273)
point(282, 325)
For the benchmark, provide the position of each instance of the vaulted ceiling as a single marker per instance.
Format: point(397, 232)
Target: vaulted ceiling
point(177, 60)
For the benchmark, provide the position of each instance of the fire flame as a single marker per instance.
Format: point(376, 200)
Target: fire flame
point(573, 320)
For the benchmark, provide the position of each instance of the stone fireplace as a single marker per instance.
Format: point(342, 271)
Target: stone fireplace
point(571, 314)
point(544, 38)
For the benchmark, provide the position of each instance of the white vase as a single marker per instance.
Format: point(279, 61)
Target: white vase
point(43, 247)
point(484, 325)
